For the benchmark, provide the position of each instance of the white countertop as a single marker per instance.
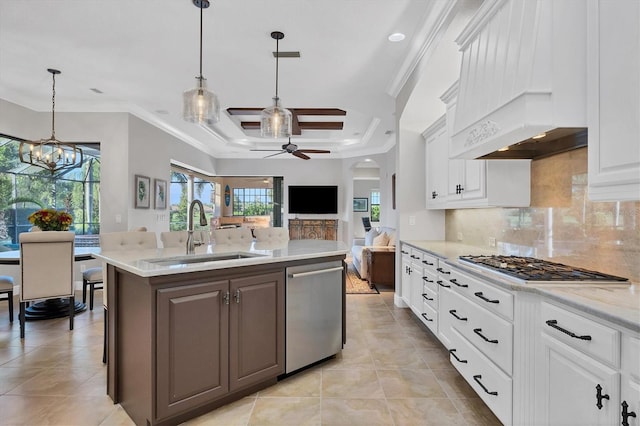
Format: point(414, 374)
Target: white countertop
point(618, 302)
point(137, 261)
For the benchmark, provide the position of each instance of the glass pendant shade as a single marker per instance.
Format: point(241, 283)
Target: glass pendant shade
point(275, 121)
point(200, 105)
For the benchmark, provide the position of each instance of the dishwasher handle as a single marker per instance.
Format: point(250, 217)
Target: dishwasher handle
point(317, 272)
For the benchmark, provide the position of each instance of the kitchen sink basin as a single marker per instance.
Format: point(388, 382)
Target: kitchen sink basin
point(188, 260)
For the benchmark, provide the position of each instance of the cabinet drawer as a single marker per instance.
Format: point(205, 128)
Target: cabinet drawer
point(486, 295)
point(491, 384)
point(429, 280)
point(430, 263)
point(630, 353)
point(582, 333)
point(429, 297)
point(429, 317)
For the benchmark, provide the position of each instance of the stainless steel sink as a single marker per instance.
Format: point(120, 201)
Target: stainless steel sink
point(187, 260)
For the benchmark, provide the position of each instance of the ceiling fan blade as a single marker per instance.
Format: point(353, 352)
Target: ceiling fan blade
point(277, 153)
point(315, 151)
point(264, 150)
point(301, 155)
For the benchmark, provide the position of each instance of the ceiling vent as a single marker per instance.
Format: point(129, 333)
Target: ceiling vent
point(286, 54)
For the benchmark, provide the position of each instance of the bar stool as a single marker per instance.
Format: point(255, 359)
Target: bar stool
point(6, 286)
point(90, 278)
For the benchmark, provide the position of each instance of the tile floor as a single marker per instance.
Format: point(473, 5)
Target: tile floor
point(391, 372)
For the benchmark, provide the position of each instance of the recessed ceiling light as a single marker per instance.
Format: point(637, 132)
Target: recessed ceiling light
point(395, 37)
point(540, 136)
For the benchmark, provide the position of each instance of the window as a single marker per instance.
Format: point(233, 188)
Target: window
point(183, 189)
point(252, 201)
point(25, 188)
point(375, 206)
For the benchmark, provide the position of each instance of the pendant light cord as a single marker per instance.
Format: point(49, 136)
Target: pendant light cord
point(200, 45)
point(53, 108)
point(277, 60)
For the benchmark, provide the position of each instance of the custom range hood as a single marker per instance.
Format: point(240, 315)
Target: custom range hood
point(523, 74)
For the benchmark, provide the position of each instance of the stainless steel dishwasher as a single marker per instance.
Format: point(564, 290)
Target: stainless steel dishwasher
point(314, 313)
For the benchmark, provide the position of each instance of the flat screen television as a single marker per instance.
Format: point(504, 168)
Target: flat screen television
point(313, 199)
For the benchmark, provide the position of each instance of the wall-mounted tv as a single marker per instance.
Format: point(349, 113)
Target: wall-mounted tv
point(313, 199)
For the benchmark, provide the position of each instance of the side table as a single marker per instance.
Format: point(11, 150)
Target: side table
point(381, 265)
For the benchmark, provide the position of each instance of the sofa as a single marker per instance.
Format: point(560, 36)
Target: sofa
point(381, 237)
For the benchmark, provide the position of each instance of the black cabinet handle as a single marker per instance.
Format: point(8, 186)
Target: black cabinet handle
point(427, 279)
point(442, 271)
point(434, 194)
point(600, 397)
point(404, 252)
point(554, 324)
point(478, 331)
point(415, 257)
point(453, 354)
point(455, 281)
point(481, 296)
point(427, 263)
point(477, 379)
point(443, 285)
point(426, 317)
point(426, 297)
point(626, 413)
point(453, 312)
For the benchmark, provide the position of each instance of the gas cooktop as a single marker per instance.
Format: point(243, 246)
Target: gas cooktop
point(532, 269)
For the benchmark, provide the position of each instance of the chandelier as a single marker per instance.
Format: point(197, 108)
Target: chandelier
point(200, 105)
point(275, 121)
point(51, 154)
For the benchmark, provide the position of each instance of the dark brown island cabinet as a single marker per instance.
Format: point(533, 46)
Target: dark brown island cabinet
point(181, 345)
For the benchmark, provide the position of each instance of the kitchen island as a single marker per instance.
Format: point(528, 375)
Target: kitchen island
point(187, 334)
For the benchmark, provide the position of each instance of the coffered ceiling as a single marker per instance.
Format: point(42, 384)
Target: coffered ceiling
point(139, 56)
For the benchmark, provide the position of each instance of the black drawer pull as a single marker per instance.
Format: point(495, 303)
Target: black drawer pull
point(442, 271)
point(600, 397)
point(415, 257)
point(454, 281)
point(443, 285)
point(453, 312)
point(478, 331)
point(477, 379)
point(427, 263)
point(481, 296)
point(453, 354)
point(427, 279)
point(554, 324)
point(404, 252)
point(626, 413)
point(426, 317)
point(426, 297)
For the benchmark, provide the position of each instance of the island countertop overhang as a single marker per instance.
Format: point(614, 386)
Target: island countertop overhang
point(148, 263)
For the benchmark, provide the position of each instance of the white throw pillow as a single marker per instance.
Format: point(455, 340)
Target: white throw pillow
point(392, 239)
point(381, 240)
point(369, 236)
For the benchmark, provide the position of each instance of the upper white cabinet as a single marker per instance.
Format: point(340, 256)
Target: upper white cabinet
point(613, 74)
point(522, 73)
point(437, 163)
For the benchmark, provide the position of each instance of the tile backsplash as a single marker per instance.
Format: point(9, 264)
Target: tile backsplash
point(561, 224)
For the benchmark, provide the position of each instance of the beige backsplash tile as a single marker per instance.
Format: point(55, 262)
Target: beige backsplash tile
point(562, 224)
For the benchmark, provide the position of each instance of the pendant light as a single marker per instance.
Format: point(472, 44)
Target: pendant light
point(275, 121)
point(200, 105)
point(51, 154)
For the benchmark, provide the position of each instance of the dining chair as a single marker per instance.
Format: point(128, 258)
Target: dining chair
point(6, 287)
point(91, 278)
point(125, 240)
point(271, 234)
point(232, 236)
point(179, 238)
point(46, 265)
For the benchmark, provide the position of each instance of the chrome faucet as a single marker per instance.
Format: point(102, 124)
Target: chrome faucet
point(203, 222)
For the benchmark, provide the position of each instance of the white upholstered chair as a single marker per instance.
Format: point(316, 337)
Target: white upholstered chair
point(46, 264)
point(232, 236)
point(271, 235)
point(179, 238)
point(6, 287)
point(127, 240)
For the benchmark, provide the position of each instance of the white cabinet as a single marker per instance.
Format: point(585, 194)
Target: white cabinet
point(630, 387)
point(437, 163)
point(613, 107)
point(405, 293)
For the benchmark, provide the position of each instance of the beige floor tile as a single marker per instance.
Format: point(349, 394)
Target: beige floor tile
point(475, 412)
point(410, 384)
point(285, 412)
point(235, 414)
point(118, 417)
point(436, 358)
point(392, 357)
point(26, 410)
point(424, 411)
point(55, 382)
point(454, 384)
point(351, 384)
point(12, 377)
point(351, 358)
point(367, 412)
point(304, 384)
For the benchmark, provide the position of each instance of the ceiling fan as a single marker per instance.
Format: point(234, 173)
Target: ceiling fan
point(292, 148)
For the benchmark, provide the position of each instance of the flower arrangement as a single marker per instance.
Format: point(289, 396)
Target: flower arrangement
point(51, 219)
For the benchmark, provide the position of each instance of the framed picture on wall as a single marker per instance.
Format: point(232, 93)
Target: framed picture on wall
point(160, 194)
point(141, 191)
point(360, 204)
